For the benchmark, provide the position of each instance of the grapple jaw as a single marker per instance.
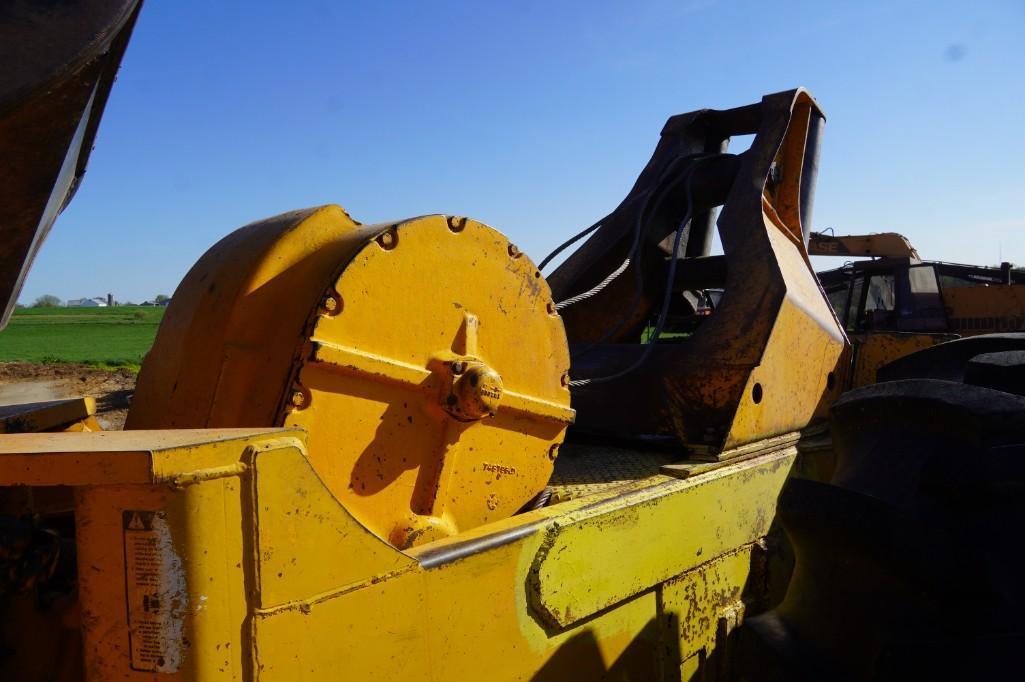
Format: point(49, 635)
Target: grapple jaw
point(765, 361)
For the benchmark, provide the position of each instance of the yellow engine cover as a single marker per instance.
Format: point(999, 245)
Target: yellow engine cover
point(424, 358)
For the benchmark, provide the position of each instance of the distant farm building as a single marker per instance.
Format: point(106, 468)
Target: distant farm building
point(95, 302)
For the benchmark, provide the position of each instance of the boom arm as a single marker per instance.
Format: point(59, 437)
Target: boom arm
point(882, 245)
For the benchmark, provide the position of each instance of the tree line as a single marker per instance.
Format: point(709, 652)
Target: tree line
point(51, 301)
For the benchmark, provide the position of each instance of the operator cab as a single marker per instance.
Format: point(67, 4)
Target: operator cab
point(893, 294)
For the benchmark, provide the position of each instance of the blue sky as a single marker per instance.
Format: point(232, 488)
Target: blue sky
point(534, 117)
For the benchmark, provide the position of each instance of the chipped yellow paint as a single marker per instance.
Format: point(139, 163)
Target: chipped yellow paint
point(796, 378)
point(591, 560)
point(429, 347)
point(700, 608)
point(271, 578)
point(428, 460)
point(191, 580)
point(467, 606)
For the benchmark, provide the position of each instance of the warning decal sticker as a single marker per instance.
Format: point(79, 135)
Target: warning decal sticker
point(155, 591)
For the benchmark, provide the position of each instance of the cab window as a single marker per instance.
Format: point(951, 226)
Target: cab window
point(852, 316)
point(880, 303)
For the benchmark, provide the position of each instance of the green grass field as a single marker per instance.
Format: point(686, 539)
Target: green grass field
point(115, 337)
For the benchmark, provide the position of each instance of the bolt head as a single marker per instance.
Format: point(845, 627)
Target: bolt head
point(298, 398)
point(388, 240)
point(479, 391)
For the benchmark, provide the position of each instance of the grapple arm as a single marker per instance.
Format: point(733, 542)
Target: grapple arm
point(712, 388)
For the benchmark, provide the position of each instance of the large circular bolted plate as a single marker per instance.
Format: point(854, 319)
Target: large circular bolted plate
point(424, 359)
point(433, 389)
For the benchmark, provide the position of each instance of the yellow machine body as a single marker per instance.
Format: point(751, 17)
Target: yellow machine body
point(874, 349)
point(986, 309)
point(223, 555)
point(253, 553)
point(342, 457)
point(424, 359)
point(74, 414)
point(342, 442)
point(210, 552)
